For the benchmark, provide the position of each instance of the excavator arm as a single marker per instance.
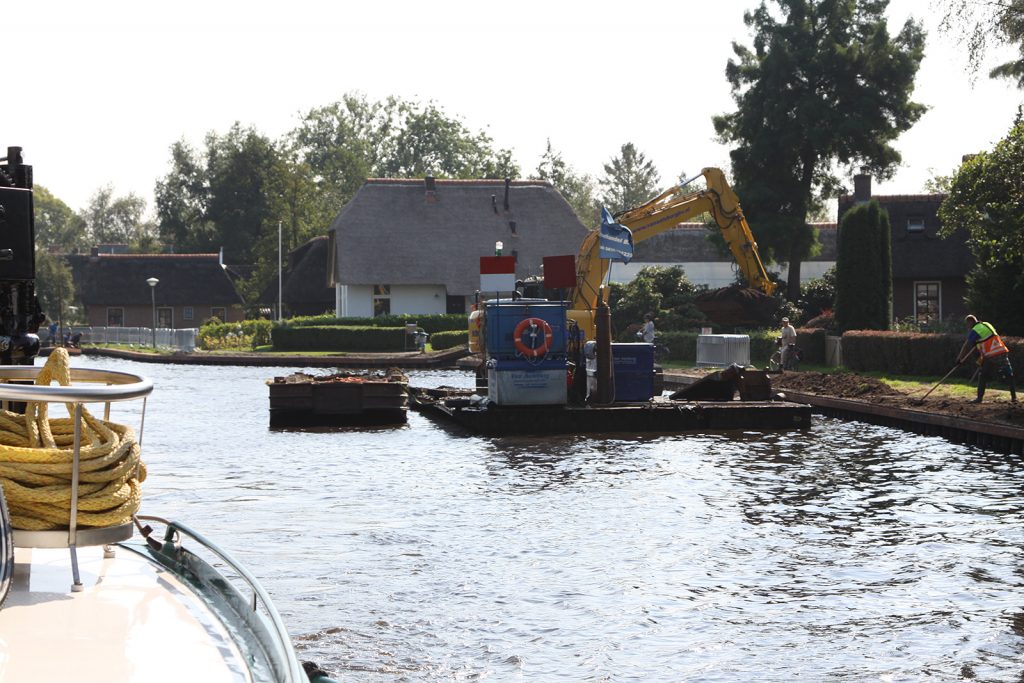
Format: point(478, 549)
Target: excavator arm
point(666, 212)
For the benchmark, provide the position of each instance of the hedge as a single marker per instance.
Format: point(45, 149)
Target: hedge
point(449, 340)
point(335, 338)
point(431, 324)
point(910, 353)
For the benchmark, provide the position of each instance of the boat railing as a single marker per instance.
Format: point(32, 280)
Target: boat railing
point(272, 634)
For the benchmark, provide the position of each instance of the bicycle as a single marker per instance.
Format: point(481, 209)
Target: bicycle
point(792, 362)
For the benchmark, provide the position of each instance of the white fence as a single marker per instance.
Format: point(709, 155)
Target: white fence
point(177, 339)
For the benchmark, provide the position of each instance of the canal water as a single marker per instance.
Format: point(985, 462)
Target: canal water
point(418, 553)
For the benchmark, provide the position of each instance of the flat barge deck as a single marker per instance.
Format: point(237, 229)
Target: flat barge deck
point(658, 415)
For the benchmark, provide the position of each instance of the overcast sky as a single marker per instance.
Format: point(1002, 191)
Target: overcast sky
point(97, 92)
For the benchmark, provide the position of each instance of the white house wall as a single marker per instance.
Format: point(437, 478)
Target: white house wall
point(357, 300)
point(416, 300)
point(714, 274)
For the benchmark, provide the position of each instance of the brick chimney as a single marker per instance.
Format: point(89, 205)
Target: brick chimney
point(430, 189)
point(861, 188)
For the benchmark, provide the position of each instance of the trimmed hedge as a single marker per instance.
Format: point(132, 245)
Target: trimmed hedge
point(449, 340)
point(334, 338)
point(430, 323)
point(910, 353)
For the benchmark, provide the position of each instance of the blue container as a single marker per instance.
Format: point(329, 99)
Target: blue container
point(501, 320)
point(519, 382)
point(633, 365)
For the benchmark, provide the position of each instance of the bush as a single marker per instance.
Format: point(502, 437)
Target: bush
point(448, 340)
point(248, 334)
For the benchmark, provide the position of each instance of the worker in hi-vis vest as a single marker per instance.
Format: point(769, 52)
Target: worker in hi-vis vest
point(993, 356)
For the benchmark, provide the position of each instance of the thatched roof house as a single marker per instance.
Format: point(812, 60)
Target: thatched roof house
point(413, 246)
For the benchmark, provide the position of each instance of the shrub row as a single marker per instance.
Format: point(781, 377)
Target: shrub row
point(430, 323)
point(909, 353)
point(448, 340)
point(335, 338)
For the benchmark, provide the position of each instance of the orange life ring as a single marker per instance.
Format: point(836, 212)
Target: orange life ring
point(533, 324)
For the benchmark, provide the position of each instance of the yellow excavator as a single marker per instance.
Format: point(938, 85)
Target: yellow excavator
point(660, 214)
point(666, 212)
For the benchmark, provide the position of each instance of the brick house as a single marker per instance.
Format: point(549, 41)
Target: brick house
point(114, 291)
point(928, 272)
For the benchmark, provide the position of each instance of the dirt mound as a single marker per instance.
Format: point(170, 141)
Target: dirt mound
point(840, 384)
point(738, 306)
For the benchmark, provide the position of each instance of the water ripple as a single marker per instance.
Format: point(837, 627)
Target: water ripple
point(845, 552)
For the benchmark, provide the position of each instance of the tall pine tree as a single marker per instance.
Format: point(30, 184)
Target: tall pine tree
point(825, 83)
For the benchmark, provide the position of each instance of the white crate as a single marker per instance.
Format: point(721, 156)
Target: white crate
point(722, 350)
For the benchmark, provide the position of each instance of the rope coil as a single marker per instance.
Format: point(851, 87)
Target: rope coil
point(37, 459)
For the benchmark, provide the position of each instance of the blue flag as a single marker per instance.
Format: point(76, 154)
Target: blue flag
point(616, 239)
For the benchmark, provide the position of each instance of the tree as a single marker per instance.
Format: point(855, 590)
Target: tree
point(665, 292)
point(577, 189)
point(986, 202)
point(55, 286)
point(345, 142)
point(629, 180)
point(864, 269)
point(117, 220)
point(982, 25)
point(825, 85)
point(57, 226)
point(218, 199)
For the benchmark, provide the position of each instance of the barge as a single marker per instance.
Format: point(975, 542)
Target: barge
point(479, 415)
point(339, 399)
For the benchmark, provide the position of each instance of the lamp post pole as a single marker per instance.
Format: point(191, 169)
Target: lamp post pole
point(152, 282)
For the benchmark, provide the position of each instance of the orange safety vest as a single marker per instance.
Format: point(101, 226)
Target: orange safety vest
point(989, 343)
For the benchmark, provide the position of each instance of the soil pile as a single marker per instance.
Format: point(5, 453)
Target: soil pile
point(840, 384)
point(738, 306)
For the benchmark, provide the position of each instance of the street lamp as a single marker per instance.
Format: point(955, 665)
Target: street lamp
point(152, 290)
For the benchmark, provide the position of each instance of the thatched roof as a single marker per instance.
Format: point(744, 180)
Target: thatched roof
point(305, 290)
point(400, 232)
point(120, 279)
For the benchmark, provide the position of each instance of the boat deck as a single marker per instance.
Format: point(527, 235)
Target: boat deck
point(119, 628)
point(658, 415)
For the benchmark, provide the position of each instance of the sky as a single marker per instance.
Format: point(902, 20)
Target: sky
point(97, 92)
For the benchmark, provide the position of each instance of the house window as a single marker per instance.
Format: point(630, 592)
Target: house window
point(915, 224)
point(455, 304)
point(220, 313)
point(165, 317)
point(927, 301)
point(115, 317)
point(381, 300)
point(187, 313)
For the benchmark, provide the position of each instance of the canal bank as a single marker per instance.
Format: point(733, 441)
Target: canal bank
point(993, 426)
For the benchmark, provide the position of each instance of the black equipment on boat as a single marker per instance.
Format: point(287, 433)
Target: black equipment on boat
point(20, 315)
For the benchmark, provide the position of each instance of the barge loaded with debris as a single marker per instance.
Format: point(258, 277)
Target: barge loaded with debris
point(339, 399)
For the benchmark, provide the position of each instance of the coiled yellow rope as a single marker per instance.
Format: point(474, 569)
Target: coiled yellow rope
point(37, 456)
